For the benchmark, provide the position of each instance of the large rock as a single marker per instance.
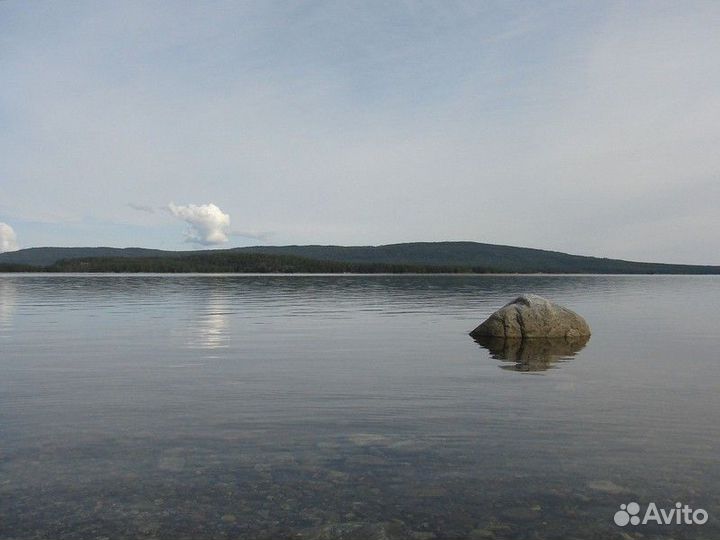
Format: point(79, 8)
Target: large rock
point(532, 316)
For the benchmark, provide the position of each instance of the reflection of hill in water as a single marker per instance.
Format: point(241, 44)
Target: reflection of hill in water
point(535, 354)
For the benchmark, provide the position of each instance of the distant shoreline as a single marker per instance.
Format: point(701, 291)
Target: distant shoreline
point(345, 274)
point(409, 258)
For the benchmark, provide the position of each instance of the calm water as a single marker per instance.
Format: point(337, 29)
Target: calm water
point(324, 407)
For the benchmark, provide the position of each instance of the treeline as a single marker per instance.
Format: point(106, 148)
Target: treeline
point(474, 255)
point(18, 268)
point(423, 257)
point(228, 262)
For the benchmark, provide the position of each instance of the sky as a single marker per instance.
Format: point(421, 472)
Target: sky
point(586, 127)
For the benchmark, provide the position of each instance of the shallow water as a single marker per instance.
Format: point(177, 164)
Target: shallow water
point(325, 407)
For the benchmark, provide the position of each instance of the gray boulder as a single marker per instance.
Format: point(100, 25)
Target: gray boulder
point(532, 316)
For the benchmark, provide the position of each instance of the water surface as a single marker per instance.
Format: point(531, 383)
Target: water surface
point(314, 407)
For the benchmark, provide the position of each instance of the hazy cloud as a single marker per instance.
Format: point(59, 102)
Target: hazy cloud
point(262, 236)
point(208, 224)
point(8, 238)
point(142, 208)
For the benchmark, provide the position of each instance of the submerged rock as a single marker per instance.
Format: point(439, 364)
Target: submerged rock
point(532, 316)
point(363, 531)
point(607, 486)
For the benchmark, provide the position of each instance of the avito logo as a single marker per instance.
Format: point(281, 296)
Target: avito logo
point(679, 515)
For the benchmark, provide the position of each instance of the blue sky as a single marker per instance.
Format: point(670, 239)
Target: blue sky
point(585, 127)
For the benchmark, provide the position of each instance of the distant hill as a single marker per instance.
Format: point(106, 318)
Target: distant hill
point(422, 256)
point(45, 256)
point(484, 257)
point(232, 262)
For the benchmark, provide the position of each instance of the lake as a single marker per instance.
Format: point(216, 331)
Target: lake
point(351, 407)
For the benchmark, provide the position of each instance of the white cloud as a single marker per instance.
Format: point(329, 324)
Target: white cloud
point(8, 238)
point(208, 224)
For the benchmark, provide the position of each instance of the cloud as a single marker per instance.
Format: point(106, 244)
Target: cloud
point(142, 208)
point(208, 224)
point(8, 238)
point(262, 236)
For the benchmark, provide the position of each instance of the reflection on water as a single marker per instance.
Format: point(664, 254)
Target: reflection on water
point(210, 329)
point(350, 407)
point(532, 354)
point(7, 302)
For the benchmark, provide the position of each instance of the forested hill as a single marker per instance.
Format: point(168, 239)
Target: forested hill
point(490, 257)
point(422, 256)
point(224, 262)
point(45, 256)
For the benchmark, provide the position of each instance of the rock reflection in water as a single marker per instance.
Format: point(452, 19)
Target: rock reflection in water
point(534, 354)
